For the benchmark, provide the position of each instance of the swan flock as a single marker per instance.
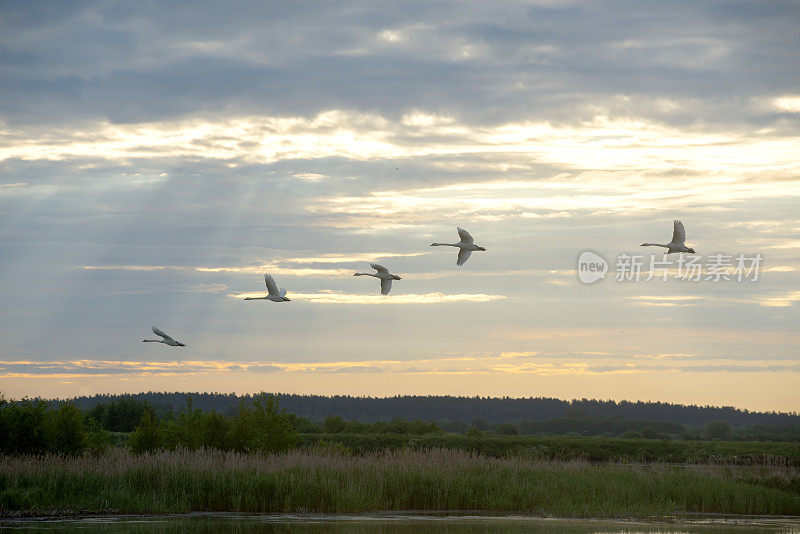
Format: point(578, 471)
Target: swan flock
point(466, 246)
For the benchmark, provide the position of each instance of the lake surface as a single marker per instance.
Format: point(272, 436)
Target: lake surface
point(396, 523)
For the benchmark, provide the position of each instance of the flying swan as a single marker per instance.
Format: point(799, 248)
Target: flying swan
point(167, 340)
point(385, 276)
point(274, 294)
point(678, 243)
point(466, 246)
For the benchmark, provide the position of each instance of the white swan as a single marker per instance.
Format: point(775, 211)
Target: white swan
point(385, 276)
point(678, 243)
point(466, 246)
point(274, 294)
point(167, 339)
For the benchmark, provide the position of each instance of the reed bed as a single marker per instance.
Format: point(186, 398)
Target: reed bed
point(438, 479)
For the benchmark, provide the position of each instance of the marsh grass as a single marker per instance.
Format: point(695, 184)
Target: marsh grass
point(596, 449)
point(336, 482)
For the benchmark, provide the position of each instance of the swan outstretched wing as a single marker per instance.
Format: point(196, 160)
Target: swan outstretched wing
point(386, 286)
point(379, 268)
point(158, 332)
point(283, 292)
point(272, 287)
point(463, 256)
point(678, 233)
point(465, 237)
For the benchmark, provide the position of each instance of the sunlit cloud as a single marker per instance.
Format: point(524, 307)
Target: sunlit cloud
point(276, 270)
point(667, 300)
point(781, 269)
point(133, 268)
point(559, 196)
point(779, 301)
point(350, 258)
point(788, 103)
point(278, 267)
point(308, 176)
point(334, 297)
point(512, 363)
point(600, 144)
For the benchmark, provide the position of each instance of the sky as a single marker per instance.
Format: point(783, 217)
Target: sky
point(157, 158)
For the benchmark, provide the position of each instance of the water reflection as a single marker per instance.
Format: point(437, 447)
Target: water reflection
point(386, 524)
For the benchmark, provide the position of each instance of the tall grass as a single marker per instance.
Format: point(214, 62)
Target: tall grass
point(579, 448)
point(319, 481)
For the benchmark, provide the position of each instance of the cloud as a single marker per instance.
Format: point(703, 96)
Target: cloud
point(667, 300)
point(779, 301)
point(160, 147)
point(277, 267)
point(788, 103)
point(335, 297)
point(494, 364)
point(600, 143)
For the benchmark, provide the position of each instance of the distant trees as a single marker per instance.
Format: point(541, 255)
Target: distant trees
point(34, 427)
point(69, 434)
point(720, 430)
point(491, 410)
point(147, 436)
point(259, 426)
point(120, 415)
point(648, 432)
point(335, 425)
point(506, 429)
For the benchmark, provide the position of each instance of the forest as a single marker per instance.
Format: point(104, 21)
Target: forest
point(262, 423)
point(458, 414)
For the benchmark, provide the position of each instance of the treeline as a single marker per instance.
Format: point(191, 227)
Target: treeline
point(258, 426)
point(34, 427)
point(39, 427)
point(123, 414)
point(493, 410)
point(261, 426)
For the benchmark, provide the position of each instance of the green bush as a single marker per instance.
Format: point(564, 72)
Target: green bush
point(333, 424)
point(99, 440)
point(28, 424)
point(68, 433)
point(147, 437)
point(720, 430)
point(506, 429)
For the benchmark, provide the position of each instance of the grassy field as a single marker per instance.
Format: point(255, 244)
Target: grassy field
point(309, 481)
point(578, 448)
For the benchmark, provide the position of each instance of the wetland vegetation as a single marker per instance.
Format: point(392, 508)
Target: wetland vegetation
point(129, 457)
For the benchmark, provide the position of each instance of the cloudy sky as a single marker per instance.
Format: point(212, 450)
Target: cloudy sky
point(157, 158)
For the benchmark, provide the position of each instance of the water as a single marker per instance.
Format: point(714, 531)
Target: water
point(396, 523)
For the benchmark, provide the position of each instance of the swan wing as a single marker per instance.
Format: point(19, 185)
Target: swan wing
point(272, 287)
point(463, 256)
point(159, 332)
point(678, 232)
point(386, 286)
point(465, 237)
point(379, 268)
point(283, 292)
